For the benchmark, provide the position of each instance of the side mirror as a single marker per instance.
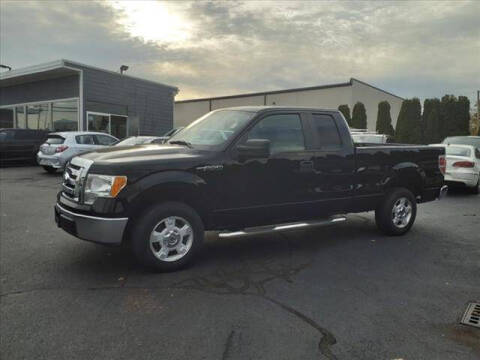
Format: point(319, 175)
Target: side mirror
point(254, 149)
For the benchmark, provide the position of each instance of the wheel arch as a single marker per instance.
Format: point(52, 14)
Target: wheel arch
point(407, 175)
point(176, 186)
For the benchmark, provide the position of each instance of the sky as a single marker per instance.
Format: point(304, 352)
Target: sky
point(410, 48)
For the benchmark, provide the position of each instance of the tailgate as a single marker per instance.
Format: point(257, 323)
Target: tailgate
point(50, 146)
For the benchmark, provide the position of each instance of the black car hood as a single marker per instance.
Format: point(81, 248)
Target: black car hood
point(141, 160)
point(120, 154)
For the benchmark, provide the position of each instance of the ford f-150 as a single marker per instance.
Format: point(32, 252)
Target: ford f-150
point(241, 171)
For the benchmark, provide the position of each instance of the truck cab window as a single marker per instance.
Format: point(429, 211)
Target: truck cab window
point(283, 130)
point(326, 132)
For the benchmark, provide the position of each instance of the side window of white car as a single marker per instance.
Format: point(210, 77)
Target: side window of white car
point(105, 140)
point(85, 139)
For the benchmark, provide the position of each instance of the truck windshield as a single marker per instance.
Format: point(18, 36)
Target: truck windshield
point(213, 130)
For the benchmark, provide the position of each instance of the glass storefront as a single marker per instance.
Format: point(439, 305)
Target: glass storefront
point(98, 122)
point(54, 116)
point(118, 126)
point(38, 117)
point(60, 115)
point(65, 115)
point(20, 118)
point(115, 125)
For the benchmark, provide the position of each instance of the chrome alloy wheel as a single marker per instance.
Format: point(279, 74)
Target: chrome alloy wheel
point(402, 212)
point(171, 238)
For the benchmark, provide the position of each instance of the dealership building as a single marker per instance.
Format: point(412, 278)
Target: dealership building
point(64, 95)
point(323, 96)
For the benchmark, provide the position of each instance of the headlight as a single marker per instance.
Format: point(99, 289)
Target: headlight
point(102, 185)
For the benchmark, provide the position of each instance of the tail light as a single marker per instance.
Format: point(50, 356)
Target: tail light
point(464, 164)
point(442, 164)
point(61, 148)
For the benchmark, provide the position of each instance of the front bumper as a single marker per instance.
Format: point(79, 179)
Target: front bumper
point(92, 228)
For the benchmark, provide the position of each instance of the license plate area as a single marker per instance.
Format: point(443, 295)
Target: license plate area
point(45, 162)
point(65, 223)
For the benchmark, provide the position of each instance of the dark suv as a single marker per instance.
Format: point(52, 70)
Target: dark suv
point(20, 144)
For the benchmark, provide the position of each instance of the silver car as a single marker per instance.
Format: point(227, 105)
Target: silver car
point(60, 147)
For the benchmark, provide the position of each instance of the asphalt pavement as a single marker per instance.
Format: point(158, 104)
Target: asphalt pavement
point(339, 292)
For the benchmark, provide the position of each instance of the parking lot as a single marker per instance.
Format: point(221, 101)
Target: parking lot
point(341, 292)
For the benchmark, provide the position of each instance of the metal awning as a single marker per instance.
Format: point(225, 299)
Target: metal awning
point(52, 70)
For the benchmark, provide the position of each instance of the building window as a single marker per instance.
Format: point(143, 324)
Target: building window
point(20, 119)
point(115, 125)
point(118, 126)
point(55, 116)
point(98, 122)
point(65, 115)
point(7, 118)
point(38, 116)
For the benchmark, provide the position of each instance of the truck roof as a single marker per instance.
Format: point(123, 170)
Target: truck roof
point(275, 107)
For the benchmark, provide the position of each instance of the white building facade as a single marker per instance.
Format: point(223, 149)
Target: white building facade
point(326, 96)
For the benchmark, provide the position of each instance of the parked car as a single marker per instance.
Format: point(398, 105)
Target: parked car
point(60, 147)
point(238, 171)
point(139, 140)
point(164, 138)
point(463, 166)
point(463, 140)
point(20, 144)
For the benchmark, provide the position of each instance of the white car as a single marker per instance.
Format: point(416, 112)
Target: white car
point(462, 166)
point(60, 147)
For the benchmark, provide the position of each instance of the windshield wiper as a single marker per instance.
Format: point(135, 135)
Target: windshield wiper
point(181, 142)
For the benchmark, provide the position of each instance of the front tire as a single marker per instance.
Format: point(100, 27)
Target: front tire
point(167, 237)
point(397, 212)
point(49, 169)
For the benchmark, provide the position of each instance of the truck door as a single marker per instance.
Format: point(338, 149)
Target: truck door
point(334, 163)
point(276, 188)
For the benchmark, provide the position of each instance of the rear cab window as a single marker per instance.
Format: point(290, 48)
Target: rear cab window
point(326, 132)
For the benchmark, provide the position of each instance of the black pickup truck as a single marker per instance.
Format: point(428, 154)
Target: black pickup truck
point(241, 171)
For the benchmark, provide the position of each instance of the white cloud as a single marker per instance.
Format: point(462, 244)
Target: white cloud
point(420, 49)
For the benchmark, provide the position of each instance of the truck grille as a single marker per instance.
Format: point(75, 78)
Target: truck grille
point(73, 178)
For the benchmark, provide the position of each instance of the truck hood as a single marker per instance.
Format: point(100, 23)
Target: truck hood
point(140, 160)
point(120, 154)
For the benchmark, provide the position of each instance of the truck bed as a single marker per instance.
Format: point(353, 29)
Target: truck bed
point(378, 165)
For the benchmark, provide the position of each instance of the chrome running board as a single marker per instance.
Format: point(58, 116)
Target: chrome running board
point(283, 227)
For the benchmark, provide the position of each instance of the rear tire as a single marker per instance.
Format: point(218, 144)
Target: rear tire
point(396, 213)
point(49, 169)
point(167, 236)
